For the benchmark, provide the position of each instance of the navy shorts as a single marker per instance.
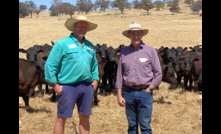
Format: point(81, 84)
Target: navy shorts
point(81, 93)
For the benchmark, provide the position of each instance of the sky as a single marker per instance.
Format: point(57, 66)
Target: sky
point(48, 2)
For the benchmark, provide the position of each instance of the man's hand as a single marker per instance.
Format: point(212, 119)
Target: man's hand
point(95, 84)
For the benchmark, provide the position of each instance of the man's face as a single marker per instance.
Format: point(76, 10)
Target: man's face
point(136, 36)
point(80, 28)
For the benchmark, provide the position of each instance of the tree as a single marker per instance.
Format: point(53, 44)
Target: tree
point(53, 10)
point(84, 6)
point(54, 7)
point(71, 10)
point(66, 8)
point(42, 7)
point(159, 4)
point(104, 4)
point(96, 5)
point(37, 12)
point(147, 5)
point(23, 10)
point(174, 6)
point(196, 6)
point(31, 7)
point(81, 5)
point(188, 1)
point(137, 4)
point(129, 5)
point(121, 4)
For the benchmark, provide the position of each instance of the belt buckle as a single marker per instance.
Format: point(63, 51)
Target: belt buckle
point(137, 87)
point(140, 86)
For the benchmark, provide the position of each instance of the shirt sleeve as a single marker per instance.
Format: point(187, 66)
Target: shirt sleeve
point(119, 77)
point(94, 69)
point(157, 71)
point(52, 63)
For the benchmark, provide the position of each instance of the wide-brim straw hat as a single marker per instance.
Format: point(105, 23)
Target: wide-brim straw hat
point(69, 24)
point(134, 26)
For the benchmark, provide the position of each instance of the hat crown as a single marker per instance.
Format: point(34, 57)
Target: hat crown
point(71, 21)
point(81, 17)
point(134, 25)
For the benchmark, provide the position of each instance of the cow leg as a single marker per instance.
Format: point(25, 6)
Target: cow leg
point(114, 91)
point(26, 101)
point(32, 93)
point(53, 97)
point(95, 98)
point(200, 87)
point(40, 91)
point(104, 85)
point(109, 89)
point(46, 88)
point(190, 83)
point(111, 83)
point(178, 81)
point(186, 87)
point(200, 82)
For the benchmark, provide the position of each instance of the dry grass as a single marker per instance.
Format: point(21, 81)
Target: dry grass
point(174, 111)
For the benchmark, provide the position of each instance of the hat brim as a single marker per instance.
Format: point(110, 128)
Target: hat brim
point(70, 22)
point(126, 32)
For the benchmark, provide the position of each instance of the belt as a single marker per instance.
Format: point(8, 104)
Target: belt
point(136, 87)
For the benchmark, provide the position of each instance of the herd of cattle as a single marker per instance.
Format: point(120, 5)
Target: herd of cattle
point(176, 63)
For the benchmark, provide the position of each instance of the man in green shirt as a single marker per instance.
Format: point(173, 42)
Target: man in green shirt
point(72, 67)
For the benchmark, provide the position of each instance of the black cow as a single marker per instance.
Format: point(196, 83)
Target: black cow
point(197, 48)
point(31, 55)
point(169, 74)
point(30, 75)
point(196, 72)
point(102, 51)
point(101, 65)
point(110, 71)
point(118, 52)
point(191, 58)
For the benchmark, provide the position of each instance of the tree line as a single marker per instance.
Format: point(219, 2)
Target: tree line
point(85, 6)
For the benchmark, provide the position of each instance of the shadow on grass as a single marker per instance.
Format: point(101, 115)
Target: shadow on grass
point(35, 110)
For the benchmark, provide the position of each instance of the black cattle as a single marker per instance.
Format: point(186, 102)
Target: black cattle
point(197, 48)
point(30, 75)
point(31, 55)
point(196, 72)
point(190, 59)
point(162, 52)
point(180, 50)
point(110, 71)
point(174, 55)
point(31, 52)
point(200, 82)
point(118, 51)
point(169, 74)
point(101, 65)
point(102, 51)
point(41, 59)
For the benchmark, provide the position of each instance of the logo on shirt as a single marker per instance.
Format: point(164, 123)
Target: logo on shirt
point(89, 48)
point(143, 59)
point(72, 46)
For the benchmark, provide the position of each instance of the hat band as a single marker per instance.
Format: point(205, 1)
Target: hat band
point(135, 28)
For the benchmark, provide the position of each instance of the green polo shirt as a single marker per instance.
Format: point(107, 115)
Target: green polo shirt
point(69, 62)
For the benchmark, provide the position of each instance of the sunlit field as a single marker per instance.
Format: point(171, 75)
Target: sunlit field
point(174, 111)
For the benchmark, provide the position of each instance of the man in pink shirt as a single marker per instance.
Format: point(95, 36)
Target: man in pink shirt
point(139, 73)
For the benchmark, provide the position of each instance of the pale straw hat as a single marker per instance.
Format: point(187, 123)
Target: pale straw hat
point(134, 26)
point(71, 21)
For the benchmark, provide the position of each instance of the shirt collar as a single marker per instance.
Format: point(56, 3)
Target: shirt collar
point(74, 38)
point(140, 47)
